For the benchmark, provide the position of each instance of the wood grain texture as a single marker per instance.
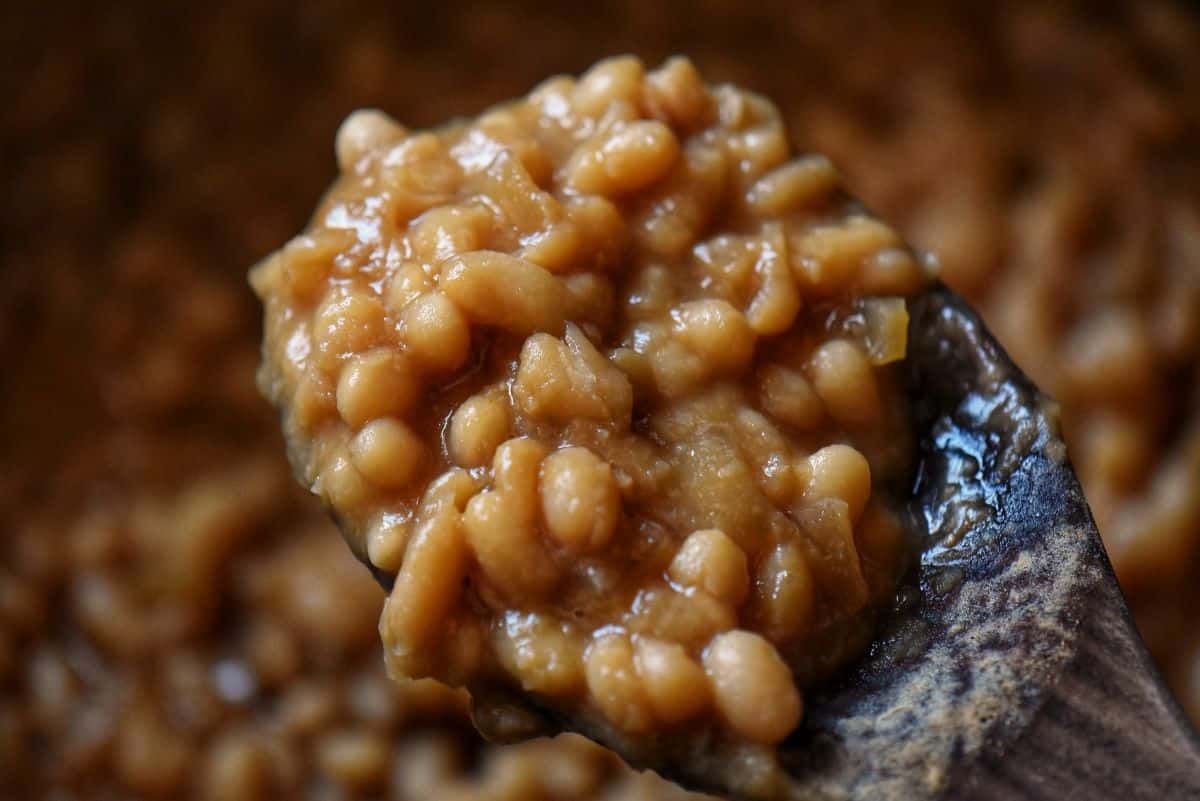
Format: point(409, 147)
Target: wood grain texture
point(1101, 725)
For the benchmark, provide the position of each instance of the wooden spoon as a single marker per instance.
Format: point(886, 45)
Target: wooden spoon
point(1011, 669)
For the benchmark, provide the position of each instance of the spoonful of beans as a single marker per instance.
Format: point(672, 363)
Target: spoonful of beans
point(655, 434)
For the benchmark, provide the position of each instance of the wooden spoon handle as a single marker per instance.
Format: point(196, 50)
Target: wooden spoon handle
point(1098, 722)
point(1108, 730)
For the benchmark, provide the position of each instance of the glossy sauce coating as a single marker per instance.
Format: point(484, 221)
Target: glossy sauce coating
point(606, 378)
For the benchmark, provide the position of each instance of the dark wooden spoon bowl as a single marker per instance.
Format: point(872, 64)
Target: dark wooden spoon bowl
point(1012, 670)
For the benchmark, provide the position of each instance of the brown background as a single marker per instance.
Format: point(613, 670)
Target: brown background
point(150, 153)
